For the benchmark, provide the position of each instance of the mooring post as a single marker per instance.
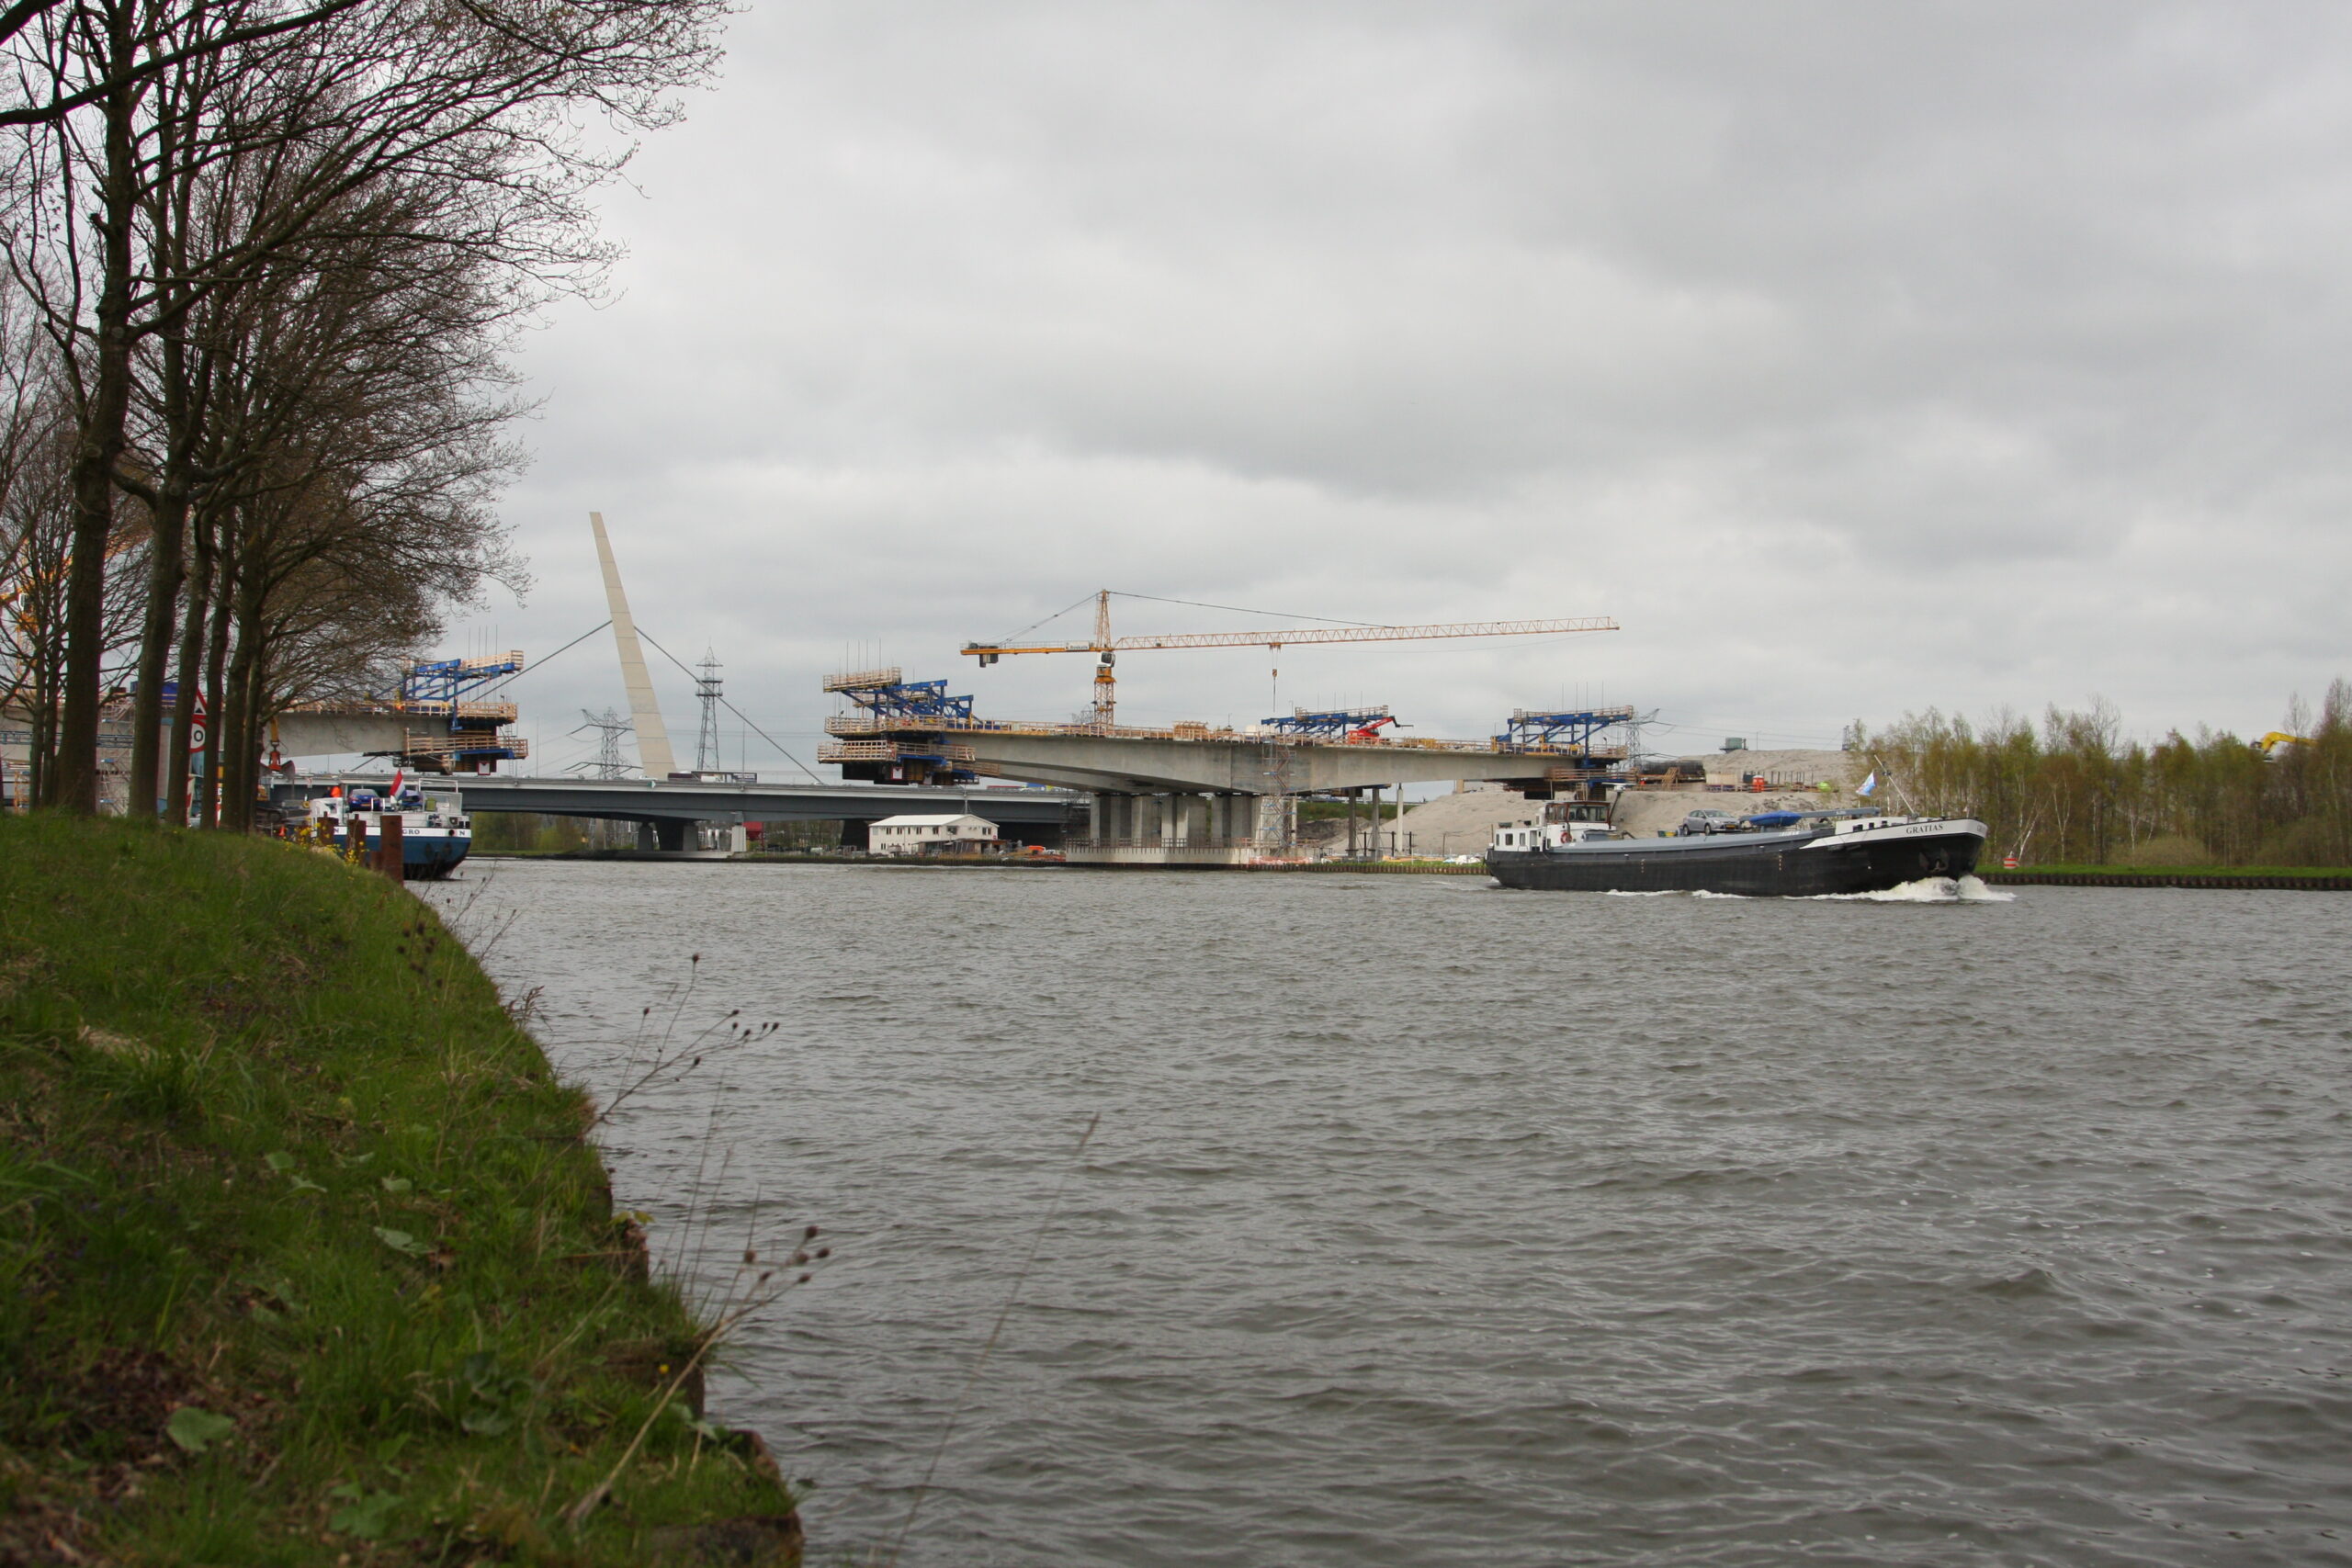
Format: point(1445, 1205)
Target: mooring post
point(388, 848)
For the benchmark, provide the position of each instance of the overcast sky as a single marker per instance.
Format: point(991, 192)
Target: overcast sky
point(1856, 357)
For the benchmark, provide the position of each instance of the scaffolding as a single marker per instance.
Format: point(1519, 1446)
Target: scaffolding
point(442, 689)
point(1570, 730)
point(887, 704)
point(890, 702)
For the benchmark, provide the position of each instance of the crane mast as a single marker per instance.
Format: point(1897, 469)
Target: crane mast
point(1106, 647)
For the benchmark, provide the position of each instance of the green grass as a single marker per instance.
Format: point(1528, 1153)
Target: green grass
point(2178, 870)
point(303, 1253)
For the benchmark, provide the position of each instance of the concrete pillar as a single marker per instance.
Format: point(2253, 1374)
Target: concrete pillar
point(1112, 816)
point(1172, 818)
point(647, 838)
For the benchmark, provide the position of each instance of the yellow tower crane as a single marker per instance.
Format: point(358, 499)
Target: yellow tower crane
point(1106, 647)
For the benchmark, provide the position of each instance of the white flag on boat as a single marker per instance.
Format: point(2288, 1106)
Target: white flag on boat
point(1869, 784)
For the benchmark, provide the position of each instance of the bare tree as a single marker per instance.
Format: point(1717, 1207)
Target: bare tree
point(36, 543)
point(352, 453)
point(331, 102)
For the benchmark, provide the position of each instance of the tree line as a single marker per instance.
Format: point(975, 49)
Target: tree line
point(264, 264)
point(2071, 791)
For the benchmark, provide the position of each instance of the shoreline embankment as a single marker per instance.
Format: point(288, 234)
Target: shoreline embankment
point(309, 1254)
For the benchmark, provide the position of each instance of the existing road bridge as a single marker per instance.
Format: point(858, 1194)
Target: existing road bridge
point(667, 811)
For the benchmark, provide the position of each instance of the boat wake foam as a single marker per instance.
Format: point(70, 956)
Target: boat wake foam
point(1928, 890)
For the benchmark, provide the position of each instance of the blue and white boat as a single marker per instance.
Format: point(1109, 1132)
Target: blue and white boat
point(436, 834)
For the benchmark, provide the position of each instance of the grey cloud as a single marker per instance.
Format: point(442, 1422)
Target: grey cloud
point(1859, 356)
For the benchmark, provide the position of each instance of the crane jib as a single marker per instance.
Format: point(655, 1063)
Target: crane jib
point(1312, 634)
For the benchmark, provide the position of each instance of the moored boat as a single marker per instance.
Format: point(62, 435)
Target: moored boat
point(1824, 853)
point(436, 834)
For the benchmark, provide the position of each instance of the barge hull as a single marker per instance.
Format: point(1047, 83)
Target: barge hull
point(1784, 865)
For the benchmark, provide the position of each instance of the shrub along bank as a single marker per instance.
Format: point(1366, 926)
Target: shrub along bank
point(305, 1255)
point(2076, 792)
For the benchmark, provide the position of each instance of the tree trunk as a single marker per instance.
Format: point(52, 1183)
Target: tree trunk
point(41, 752)
point(241, 720)
point(191, 677)
point(216, 657)
point(166, 567)
point(74, 785)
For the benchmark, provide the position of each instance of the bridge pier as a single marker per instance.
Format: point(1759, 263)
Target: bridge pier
point(1173, 827)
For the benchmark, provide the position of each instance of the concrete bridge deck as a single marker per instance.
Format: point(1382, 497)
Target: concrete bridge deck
point(1235, 764)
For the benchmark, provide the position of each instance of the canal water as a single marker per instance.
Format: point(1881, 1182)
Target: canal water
point(1427, 1223)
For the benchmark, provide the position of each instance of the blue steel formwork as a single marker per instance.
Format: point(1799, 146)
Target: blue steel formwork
point(447, 680)
point(911, 702)
point(910, 713)
point(441, 688)
point(1337, 724)
point(1570, 730)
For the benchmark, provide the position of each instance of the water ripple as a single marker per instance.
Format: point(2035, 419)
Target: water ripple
point(1427, 1226)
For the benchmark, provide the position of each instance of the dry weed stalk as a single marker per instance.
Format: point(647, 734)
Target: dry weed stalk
point(748, 1295)
point(656, 1062)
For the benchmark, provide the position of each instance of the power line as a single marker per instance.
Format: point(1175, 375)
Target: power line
point(738, 712)
point(543, 663)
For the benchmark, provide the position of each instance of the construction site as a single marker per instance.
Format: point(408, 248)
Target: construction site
point(1309, 784)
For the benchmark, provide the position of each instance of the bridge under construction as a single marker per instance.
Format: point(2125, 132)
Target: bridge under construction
point(1191, 795)
point(1112, 793)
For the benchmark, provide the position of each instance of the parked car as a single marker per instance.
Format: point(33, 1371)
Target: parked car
point(1707, 819)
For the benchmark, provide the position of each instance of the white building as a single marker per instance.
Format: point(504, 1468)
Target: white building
point(916, 835)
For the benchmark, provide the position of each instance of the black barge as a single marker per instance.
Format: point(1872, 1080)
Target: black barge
point(1825, 855)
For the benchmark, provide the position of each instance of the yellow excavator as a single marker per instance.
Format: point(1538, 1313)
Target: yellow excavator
point(2269, 744)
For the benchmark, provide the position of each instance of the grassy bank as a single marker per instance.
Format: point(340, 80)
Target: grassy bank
point(2312, 877)
point(306, 1256)
point(2186, 873)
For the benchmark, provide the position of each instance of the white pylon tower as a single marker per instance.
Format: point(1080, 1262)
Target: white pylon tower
point(652, 736)
point(707, 688)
